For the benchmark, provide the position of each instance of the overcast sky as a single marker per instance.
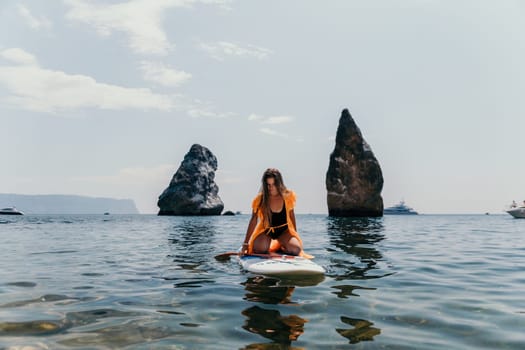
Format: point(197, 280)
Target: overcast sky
point(104, 98)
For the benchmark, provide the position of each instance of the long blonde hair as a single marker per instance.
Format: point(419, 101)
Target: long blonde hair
point(265, 198)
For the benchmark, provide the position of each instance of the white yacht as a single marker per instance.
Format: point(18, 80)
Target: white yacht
point(10, 211)
point(517, 212)
point(400, 209)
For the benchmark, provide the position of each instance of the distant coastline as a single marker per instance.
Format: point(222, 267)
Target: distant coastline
point(67, 204)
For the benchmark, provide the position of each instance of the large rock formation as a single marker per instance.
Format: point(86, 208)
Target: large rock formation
point(192, 190)
point(354, 180)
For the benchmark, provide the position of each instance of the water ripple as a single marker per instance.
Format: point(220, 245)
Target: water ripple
point(140, 282)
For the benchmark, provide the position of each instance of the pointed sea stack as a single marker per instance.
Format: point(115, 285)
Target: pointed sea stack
point(192, 190)
point(354, 180)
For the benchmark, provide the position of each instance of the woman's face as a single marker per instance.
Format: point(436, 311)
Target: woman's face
point(272, 189)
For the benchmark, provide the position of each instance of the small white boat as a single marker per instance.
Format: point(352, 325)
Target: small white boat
point(10, 211)
point(518, 212)
point(399, 209)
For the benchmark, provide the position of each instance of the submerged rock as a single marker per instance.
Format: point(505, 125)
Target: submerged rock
point(192, 190)
point(354, 179)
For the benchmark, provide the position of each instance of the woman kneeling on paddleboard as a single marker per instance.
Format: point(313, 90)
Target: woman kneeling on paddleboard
point(272, 225)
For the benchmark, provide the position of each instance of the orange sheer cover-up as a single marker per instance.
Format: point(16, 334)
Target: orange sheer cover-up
point(275, 246)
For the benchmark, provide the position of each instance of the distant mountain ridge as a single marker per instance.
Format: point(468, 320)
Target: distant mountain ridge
point(66, 204)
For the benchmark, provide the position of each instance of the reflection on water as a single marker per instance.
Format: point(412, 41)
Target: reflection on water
point(192, 234)
point(362, 330)
point(148, 282)
point(190, 242)
point(267, 290)
point(357, 238)
point(346, 290)
point(272, 325)
point(277, 290)
point(355, 256)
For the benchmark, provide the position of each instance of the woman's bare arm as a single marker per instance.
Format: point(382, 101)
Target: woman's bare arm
point(292, 217)
point(249, 232)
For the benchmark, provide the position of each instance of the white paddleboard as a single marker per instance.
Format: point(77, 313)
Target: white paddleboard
point(280, 265)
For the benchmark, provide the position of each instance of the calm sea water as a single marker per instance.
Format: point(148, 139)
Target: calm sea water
point(149, 282)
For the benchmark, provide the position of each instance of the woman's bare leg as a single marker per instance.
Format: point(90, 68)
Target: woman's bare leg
point(290, 244)
point(261, 244)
